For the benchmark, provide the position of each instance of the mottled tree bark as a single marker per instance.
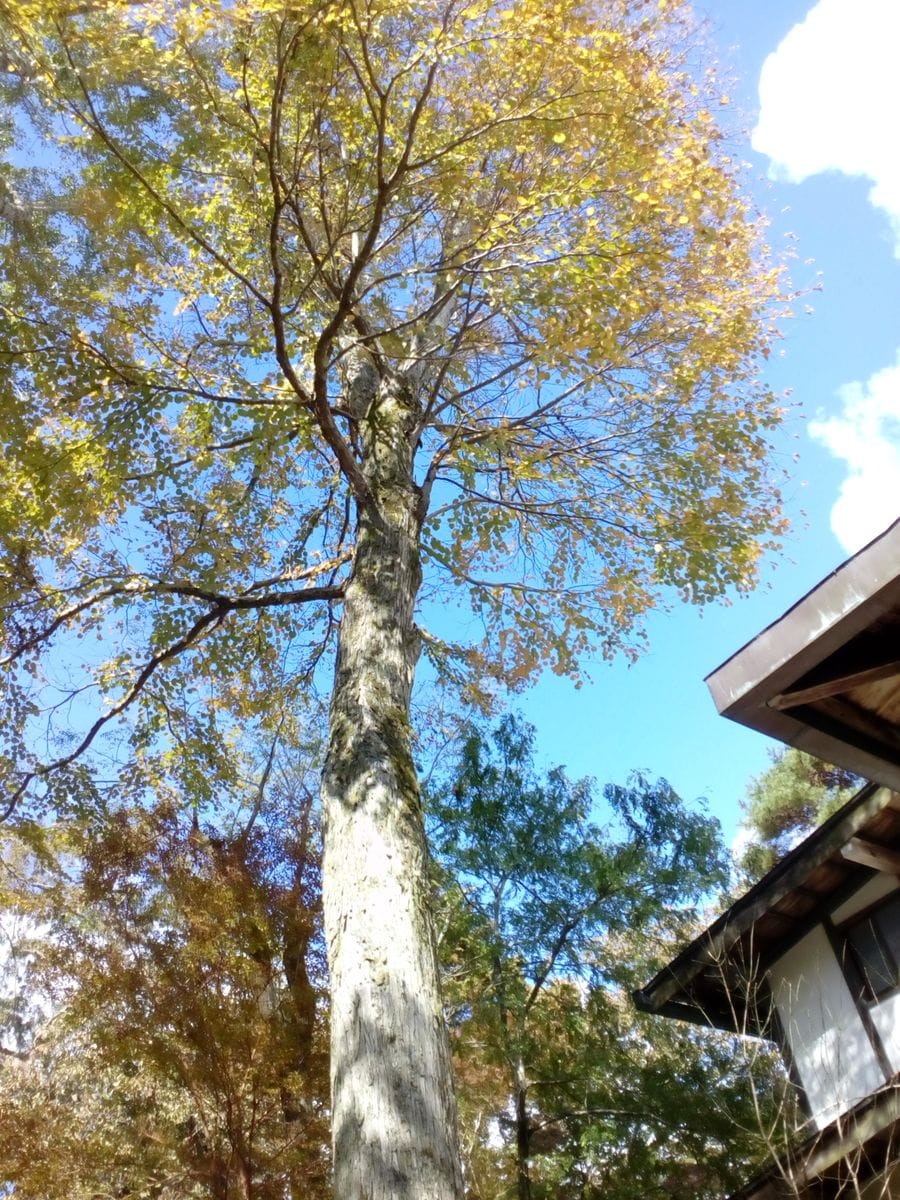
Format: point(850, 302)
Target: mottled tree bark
point(394, 1120)
point(523, 1135)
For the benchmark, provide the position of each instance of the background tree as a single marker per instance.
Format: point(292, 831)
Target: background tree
point(173, 1043)
point(626, 1104)
point(164, 1000)
point(786, 802)
point(310, 310)
point(550, 919)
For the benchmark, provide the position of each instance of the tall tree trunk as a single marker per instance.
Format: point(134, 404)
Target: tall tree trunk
point(516, 1065)
point(394, 1112)
point(523, 1135)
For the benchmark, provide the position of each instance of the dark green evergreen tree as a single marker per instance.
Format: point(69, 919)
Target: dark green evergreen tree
point(786, 802)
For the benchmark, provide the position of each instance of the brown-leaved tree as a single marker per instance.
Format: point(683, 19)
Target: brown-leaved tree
point(163, 1016)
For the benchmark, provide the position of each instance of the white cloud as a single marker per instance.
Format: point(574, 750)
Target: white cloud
point(866, 436)
point(829, 101)
point(830, 95)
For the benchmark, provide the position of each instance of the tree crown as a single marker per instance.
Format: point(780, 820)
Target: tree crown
point(259, 222)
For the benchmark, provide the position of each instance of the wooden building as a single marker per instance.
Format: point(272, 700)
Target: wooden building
point(810, 956)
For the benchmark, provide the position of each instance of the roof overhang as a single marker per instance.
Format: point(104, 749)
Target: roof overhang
point(718, 979)
point(825, 677)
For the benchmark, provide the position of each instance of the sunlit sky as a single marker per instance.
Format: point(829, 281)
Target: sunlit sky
point(817, 94)
point(815, 107)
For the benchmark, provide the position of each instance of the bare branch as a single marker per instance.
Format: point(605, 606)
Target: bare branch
point(211, 619)
point(261, 788)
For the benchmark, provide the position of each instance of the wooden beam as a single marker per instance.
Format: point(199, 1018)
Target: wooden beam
point(834, 687)
point(802, 1172)
point(884, 734)
point(881, 1115)
point(870, 854)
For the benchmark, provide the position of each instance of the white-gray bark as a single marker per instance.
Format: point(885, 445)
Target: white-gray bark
point(394, 1118)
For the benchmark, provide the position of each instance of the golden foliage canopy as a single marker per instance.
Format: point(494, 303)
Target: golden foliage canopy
point(525, 212)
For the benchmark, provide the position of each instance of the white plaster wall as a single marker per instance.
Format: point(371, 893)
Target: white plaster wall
point(828, 1042)
point(886, 1014)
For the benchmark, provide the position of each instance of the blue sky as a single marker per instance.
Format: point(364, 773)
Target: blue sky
point(815, 87)
point(816, 103)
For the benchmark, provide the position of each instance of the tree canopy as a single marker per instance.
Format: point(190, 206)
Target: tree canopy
point(312, 312)
point(786, 802)
point(245, 206)
point(164, 1026)
point(555, 901)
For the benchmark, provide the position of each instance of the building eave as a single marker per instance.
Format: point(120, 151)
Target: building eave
point(675, 992)
point(825, 676)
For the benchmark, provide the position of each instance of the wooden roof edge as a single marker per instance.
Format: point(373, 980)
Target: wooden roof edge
point(798, 730)
point(826, 1147)
point(718, 938)
point(717, 1019)
point(852, 586)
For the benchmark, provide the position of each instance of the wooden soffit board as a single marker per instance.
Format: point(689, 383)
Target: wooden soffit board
point(825, 677)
